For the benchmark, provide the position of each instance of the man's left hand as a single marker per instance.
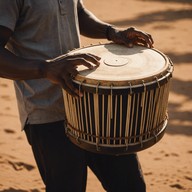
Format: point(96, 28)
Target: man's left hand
point(130, 37)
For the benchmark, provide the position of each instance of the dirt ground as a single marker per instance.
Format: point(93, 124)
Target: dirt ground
point(167, 166)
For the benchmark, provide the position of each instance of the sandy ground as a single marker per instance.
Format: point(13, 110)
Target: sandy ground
point(167, 166)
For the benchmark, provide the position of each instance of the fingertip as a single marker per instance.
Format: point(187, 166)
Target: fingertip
point(78, 93)
point(130, 45)
point(91, 67)
point(98, 58)
point(97, 64)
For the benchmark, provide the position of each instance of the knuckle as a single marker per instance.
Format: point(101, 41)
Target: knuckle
point(131, 28)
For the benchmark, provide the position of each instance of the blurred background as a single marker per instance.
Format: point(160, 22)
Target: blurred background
point(167, 166)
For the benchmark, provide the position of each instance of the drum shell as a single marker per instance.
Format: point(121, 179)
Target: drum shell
point(118, 119)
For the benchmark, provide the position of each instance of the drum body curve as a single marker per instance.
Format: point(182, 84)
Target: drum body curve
point(124, 105)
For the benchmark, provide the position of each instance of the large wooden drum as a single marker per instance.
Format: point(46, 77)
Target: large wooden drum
point(124, 107)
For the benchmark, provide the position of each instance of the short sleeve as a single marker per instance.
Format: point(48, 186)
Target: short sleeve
point(9, 13)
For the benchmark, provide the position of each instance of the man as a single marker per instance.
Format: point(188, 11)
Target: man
point(32, 34)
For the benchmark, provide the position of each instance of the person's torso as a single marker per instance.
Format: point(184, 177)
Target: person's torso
point(45, 29)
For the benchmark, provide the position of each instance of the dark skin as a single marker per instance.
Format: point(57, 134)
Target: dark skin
point(61, 71)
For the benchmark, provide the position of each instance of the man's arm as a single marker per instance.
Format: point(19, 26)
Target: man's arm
point(59, 70)
point(16, 68)
point(91, 26)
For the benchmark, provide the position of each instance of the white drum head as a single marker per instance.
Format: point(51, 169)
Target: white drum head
point(120, 64)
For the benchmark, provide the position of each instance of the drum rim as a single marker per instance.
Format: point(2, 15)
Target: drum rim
point(148, 83)
point(155, 82)
point(80, 79)
point(128, 89)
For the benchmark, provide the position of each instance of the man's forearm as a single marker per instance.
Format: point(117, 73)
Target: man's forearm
point(91, 26)
point(15, 68)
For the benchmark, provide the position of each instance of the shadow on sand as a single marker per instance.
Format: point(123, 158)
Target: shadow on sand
point(19, 190)
point(168, 16)
point(174, 1)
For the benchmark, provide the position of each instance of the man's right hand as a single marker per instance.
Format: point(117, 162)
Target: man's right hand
point(60, 70)
point(63, 69)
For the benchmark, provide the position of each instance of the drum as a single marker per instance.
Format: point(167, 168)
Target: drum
point(124, 105)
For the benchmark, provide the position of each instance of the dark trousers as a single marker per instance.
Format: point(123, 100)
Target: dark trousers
point(63, 166)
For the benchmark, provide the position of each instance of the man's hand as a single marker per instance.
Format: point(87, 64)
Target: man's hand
point(129, 37)
point(63, 69)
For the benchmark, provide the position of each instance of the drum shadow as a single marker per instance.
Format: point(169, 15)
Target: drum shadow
point(87, 71)
point(124, 49)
